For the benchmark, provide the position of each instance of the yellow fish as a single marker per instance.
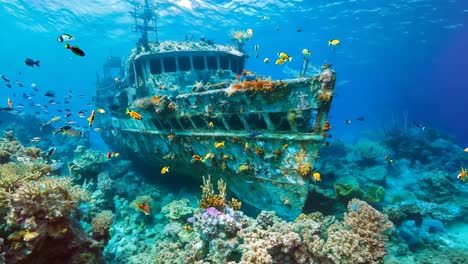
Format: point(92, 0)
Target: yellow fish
point(225, 156)
point(219, 144)
point(466, 150)
point(116, 154)
point(210, 124)
point(333, 42)
point(316, 176)
point(306, 52)
point(102, 111)
point(165, 170)
point(279, 61)
point(246, 146)
point(208, 155)
point(284, 56)
point(249, 32)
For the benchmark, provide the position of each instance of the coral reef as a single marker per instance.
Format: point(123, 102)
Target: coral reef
point(40, 209)
point(87, 163)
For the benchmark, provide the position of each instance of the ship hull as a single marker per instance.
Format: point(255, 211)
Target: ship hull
point(264, 144)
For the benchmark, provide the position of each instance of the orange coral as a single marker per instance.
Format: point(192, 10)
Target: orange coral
point(237, 86)
point(324, 97)
point(259, 151)
point(234, 204)
point(155, 100)
point(210, 198)
point(304, 169)
point(326, 126)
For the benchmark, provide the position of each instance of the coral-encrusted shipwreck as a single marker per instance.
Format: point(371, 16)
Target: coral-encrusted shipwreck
point(193, 95)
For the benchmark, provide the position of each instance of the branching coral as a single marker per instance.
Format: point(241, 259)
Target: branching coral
point(102, 222)
point(32, 152)
point(234, 204)
point(210, 198)
point(49, 199)
point(241, 36)
point(39, 211)
point(13, 176)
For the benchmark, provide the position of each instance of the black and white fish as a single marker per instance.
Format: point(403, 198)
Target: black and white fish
point(65, 37)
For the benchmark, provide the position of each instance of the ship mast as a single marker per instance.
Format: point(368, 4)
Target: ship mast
point(148, 19)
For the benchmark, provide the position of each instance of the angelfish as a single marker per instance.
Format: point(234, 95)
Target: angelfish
point(50, 153)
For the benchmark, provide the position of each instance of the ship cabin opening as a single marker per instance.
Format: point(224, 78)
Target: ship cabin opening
point(195, 66)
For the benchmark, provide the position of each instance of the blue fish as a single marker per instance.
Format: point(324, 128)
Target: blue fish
point(254, 134)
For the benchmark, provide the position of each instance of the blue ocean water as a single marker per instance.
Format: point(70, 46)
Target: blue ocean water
point(393, 57)
point(398, 62)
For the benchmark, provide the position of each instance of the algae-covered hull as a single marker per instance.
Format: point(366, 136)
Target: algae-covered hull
point(260, 136)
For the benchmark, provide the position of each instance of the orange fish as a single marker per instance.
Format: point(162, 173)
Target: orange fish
point(91, 118)
point(170, 136)
point(462, 175)
point(133, 114)
point(10, 103)
point(143, 207)
point(187, 227)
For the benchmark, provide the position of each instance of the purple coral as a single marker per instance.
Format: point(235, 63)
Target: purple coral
point(213, 223)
